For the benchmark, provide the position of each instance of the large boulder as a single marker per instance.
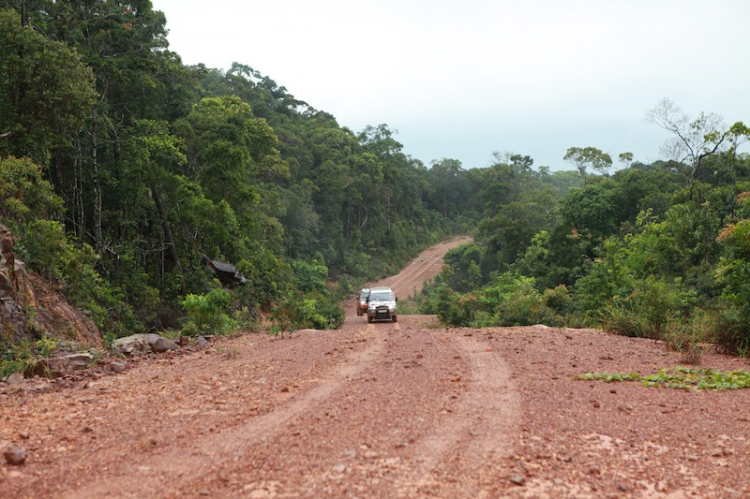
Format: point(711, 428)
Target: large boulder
point(164, 345)
point(142, 342)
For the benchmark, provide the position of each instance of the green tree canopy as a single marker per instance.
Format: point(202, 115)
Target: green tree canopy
point(46, 90)
point(588, 157)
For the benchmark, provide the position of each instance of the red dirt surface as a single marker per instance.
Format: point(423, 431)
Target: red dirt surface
point(407, 409)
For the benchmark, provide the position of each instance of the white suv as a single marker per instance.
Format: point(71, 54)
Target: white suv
point(381, 305)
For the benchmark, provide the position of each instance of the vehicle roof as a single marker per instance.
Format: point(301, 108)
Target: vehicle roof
point(381, 288)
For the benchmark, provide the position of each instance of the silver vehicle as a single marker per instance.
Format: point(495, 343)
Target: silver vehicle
point(381, 305)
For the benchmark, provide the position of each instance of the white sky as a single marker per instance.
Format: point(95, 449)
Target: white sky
point(464, 78)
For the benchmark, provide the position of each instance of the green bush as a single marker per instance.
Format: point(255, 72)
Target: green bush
point(42, 245)
point(510, 300)
point(619, 318)
point(16, 357)
point(315, 311)
point(607, 279)
point(310, 276)
point(649, 308)
point(730, 330)
point(451, 308)
point(207, 314)
point(513, 300)
point(558, 299)
point(524, 306)
point(688, 336)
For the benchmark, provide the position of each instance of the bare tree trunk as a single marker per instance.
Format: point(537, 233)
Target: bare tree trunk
point(362, 223)
point(79, 213)
point(97, 188)
point(388, 209)
point(167, 229)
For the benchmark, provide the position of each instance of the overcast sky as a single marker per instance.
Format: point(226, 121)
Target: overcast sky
point(464, 78)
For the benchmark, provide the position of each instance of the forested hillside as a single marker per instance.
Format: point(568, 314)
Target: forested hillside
point(656, 250)
point(122, 171)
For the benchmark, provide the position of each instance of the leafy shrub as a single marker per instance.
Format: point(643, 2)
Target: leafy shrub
point(451, 308)
point(334, 315)
point(510, 300)
point(619, 318)
point(310, 276)
point(16, 357)
point(513, 300)
point(607, 279)
point(647, 310)
point(267, 276)
point(524, 307)
point(315, 311)
point(558, 299)
point(46, 346)
point(43, 242)
point(207, 314)
point(731, 330)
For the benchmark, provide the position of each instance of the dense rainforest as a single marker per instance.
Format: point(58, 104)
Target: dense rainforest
point(656, 250)
point(122, 171)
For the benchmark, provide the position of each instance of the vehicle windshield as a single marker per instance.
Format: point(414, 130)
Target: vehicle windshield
point(363, 295)
point(382, 296)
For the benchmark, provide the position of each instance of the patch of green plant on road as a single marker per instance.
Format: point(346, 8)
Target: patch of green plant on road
point(681, 377)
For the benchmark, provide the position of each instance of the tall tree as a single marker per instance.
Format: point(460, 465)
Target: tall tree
point(444, 177)
point(588, 157)
point(692, 141)
point(229, 150)
point(46, 90)
point(518, 204)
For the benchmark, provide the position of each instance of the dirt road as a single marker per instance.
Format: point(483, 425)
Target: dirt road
point(405, 409)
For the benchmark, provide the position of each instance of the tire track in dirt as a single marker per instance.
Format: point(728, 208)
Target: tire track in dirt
point(138, 480)
point(434, 416)
point(494, 402)
point(362, 440)
point(464, 455)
